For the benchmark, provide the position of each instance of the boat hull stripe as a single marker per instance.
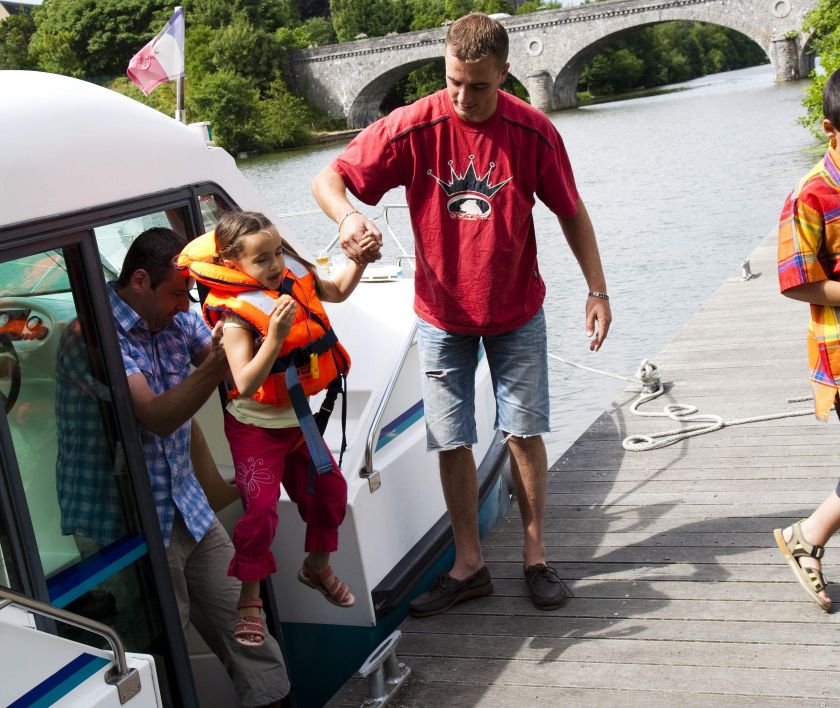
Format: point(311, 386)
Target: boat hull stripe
point(67, 678)
point(401, 423)
point(75, 581)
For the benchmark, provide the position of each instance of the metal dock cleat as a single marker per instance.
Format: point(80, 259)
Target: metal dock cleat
point(384, 672)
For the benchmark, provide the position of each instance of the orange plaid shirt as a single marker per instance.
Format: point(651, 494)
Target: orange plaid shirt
point(809, 251)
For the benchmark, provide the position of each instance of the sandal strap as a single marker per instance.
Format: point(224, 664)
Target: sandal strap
point(249, 625)
point(320, 575)
point(800, 547)
point(339, 592)
point(816, 578)
point(249, 603)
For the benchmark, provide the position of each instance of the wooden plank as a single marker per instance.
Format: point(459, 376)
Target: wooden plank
point(811, 630)
point(776, 683)
point(422, 693)
point(619, 651)
point(617, 571)
point(684, 510)
point(747, 590)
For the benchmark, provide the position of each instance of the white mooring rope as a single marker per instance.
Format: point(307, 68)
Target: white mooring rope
point(648, 376)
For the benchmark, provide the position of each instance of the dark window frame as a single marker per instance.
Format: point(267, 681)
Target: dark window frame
point(76, 230)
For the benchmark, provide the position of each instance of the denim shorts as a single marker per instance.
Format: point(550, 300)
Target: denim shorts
point(519, 370)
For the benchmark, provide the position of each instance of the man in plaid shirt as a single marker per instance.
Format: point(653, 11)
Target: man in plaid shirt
point(159, 338)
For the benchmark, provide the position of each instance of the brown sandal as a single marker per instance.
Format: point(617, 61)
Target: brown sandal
point(811, 579)
point(339, 594)
point(247, 627)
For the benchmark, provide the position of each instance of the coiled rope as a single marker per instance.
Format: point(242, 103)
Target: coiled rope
point(699, 424)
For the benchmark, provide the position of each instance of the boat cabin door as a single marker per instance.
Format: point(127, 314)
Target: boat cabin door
point(78, 527)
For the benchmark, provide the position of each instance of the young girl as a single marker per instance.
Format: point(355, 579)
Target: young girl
point(269, 300)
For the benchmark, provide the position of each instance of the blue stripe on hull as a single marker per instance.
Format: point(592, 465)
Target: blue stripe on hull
point(62, 682)
point(75, 581)
point(400, 424)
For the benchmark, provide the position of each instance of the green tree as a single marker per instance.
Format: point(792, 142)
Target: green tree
point(250, 50)
point(533, 6)
point(426, 14)
point(374, 18)
point(94, 38)
point(824, 22)
point(490, 7)
point(668, 53)
point(319, 31)
point(230, 102)
point(15, 33)
point(285, 118)
point(266, 14)
point(426, 80)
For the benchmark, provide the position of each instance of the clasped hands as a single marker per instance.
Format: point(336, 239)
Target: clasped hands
point(360, 239)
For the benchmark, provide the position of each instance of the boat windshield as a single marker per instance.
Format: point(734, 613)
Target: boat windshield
point(39, 274)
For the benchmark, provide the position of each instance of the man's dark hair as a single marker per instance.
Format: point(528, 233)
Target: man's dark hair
point(153, 251)
point(831, 99)
point(476, 36)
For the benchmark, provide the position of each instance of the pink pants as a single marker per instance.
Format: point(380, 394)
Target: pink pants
point(265, 457)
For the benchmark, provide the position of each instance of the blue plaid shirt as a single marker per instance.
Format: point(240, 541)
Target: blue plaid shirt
point(84, 473)
point(164, 358)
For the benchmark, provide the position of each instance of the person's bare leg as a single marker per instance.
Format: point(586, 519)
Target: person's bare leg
point(459, 479)
point(817, 529)
point(529, 468)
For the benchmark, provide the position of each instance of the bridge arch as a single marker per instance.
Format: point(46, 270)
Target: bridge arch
point(548, 49)
point(564, 86)
point(365, 108)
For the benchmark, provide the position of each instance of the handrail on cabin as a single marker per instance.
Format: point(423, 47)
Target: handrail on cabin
point(368, 470)
point(123, 672)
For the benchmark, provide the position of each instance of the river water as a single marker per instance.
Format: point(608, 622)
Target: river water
point(681, 186)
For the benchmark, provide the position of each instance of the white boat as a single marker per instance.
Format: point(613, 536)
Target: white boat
point(84, 170)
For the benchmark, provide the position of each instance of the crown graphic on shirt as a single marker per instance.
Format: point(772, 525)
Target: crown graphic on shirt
point(468, 194)
point(469, 182)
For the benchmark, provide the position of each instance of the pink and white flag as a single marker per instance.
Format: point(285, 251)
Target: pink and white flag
point(162, 59)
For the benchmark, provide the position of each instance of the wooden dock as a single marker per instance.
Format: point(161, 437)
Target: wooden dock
point(681, 597)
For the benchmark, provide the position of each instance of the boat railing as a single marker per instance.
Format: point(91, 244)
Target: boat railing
point(369, 471)
point(125, 679)
point(386, 214)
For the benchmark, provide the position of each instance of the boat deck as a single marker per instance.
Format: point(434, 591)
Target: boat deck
point(681, 597)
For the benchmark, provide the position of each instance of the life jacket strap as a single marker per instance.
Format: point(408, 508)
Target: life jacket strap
point(321, 460)
point(300, 355)
point(322, 417)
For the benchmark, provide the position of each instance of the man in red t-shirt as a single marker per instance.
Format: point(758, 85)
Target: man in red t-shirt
point(472, 159)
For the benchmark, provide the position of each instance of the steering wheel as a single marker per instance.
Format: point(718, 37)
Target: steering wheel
point(8, 351)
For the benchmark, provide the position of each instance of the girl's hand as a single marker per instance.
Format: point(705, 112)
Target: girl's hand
point(370, 246)
point(281, 319)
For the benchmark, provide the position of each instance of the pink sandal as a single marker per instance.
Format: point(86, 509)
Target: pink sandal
point(247, 627)
point(339, 594)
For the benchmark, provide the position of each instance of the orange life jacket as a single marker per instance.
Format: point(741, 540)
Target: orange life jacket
point(311, 345)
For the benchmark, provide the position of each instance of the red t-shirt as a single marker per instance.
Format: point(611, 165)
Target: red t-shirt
point(470, 189)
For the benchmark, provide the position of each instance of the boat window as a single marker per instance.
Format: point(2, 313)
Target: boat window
point(41, 274)
point(114, 239)
point(212, 207)
point(58, 406)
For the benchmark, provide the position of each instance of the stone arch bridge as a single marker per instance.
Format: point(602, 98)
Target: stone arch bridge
point(548, 50)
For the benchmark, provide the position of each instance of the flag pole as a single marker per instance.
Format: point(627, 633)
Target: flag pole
point(180, 113)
